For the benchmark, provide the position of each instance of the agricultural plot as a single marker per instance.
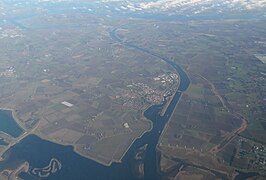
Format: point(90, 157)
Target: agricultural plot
point(226, 98)
point(72, 84)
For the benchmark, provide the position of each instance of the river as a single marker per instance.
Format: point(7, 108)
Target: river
point(39, 152)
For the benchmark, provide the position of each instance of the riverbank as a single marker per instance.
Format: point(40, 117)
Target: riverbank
point(165, 127)
point(170, 98)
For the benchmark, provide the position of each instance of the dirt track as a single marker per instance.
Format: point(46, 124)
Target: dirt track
point(228, 138)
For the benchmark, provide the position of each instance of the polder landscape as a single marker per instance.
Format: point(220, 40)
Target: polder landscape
point(132, 89)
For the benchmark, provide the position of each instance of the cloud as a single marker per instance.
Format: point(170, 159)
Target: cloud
point(165, 5)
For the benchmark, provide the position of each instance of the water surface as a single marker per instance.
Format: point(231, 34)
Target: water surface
point(8, 125)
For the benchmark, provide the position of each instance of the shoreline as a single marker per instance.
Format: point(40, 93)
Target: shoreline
point(163, 110)
point(165, 127)
point(23, 135)
point(171, 97)
point(14, 140)
point(15, 118)
point(75, 147)
point(31, 132)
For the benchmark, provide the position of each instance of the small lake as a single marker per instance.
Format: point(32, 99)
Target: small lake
point(8, 125)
